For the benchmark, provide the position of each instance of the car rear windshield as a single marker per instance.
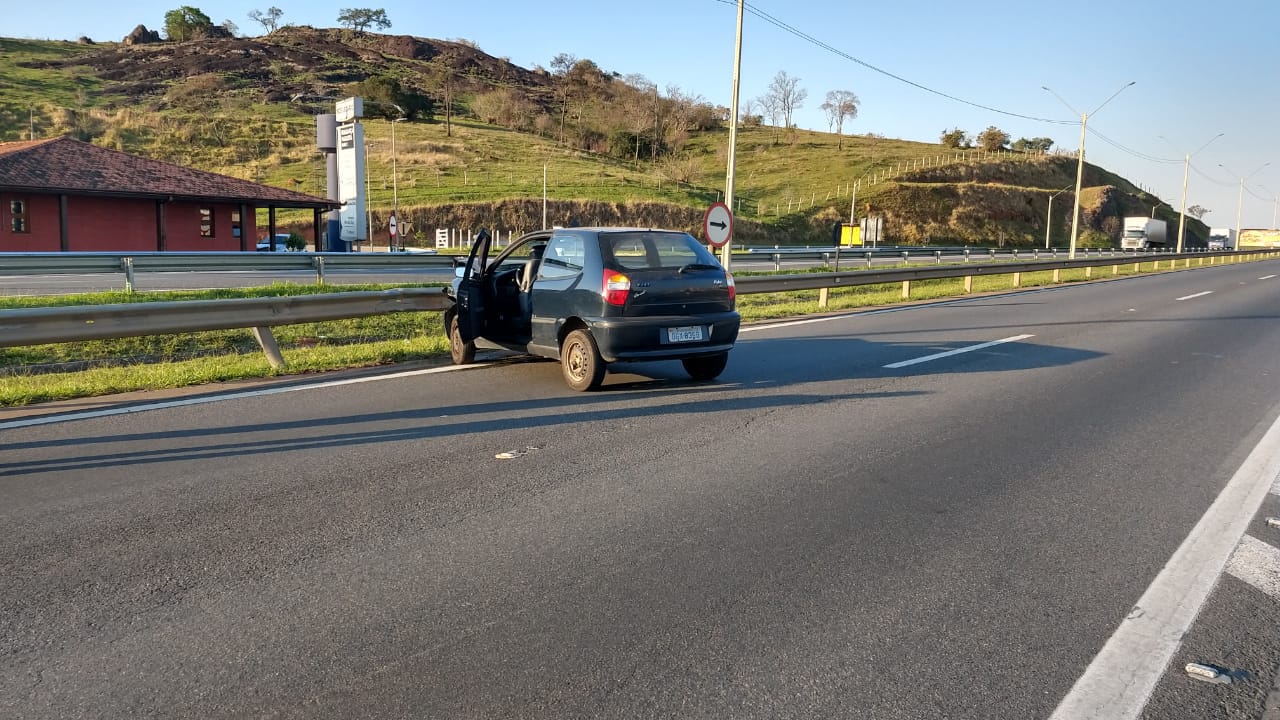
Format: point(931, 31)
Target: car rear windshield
point(656, 250)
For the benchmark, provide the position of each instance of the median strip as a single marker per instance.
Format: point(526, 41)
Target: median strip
point(957, 351)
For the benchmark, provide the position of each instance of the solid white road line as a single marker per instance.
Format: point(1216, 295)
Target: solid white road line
point(1199, 294)
point(1266, 277)
point(1119, 681)
point(957, 351)
point(184, 402)
point(1258, 564)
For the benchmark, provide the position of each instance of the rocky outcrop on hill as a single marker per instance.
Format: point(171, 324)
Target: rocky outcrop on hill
point(141, 36)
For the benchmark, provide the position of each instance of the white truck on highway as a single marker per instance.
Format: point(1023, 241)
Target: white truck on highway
point(1222, 239)
point(1143, 233)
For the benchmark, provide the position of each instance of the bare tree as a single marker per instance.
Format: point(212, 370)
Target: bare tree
point(269, 20)
point(840, 105)
point(784, 97)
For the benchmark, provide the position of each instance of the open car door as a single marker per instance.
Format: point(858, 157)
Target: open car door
point(472, 288)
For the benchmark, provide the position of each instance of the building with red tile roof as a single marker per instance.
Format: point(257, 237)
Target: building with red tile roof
point(65, 195)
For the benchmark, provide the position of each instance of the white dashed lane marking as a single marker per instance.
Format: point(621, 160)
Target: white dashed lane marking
point(957, 351)
point(1199, 294)
point(1266, 277)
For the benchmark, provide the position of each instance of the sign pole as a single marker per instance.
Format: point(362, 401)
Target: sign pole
point(725, 252)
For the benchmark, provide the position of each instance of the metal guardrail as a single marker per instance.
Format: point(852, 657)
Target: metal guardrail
point(33, 326)
point(131, 263)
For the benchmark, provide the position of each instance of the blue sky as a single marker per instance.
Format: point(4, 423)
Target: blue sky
point(1200, 68)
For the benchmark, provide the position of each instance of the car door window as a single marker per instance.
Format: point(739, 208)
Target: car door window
point(564, 257)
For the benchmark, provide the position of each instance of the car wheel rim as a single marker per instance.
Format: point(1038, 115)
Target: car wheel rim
point(577, 361)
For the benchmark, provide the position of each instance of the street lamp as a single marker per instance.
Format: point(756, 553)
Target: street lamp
point(1048, 219)
point(1240, 199)
point(1275, 205)
point(1084, 122)
point(1186, 171)
point(726, 253)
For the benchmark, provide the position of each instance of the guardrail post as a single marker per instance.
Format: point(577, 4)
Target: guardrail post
point(826, 259)
point(1115, 269)
point(937, 257)
point(777, 262)
point(868, 256)
point(823, 294)
point(1015, 254)
point(1057, 276)
point(993, 254)
point(906, 289)
point(968, 284)
point(1017, 279)
point(966, 254)
point(1035, 253)
point(319, 261)
point(906, 257)
point(126, 264)
point(1054, 252)
point(1137, 267)
point(267, 342)
point(837, 266)
point(1088, 272)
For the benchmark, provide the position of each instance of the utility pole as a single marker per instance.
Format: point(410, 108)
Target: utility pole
point(726, 253)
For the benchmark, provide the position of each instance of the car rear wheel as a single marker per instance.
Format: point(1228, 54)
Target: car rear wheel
point(707, 367)
point(463, 353)
point(581, 362)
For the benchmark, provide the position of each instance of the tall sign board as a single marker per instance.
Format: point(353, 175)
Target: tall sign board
point(352, 220)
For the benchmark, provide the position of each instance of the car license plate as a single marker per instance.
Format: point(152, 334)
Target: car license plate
point(692, 333)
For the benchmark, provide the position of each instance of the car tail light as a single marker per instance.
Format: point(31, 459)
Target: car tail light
point(616, 288)
point(733, 289)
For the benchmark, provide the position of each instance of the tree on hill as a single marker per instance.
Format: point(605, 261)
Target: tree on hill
point(993, 138)
point(361, 19)
point(268, 19)
point(441, 78)
point(784, 97)
point(1040, 144)
point(1198, 212)
point(187, 23)
point(955, 138)
point(840, 105)
point(389, 99)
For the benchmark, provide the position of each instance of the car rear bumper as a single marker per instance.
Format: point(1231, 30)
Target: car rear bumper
point(647, 338)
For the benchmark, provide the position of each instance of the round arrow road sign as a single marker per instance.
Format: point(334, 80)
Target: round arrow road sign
point(391, 226)
point(717, 226)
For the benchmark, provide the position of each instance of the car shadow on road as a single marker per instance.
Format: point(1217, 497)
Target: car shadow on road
point(762, 374)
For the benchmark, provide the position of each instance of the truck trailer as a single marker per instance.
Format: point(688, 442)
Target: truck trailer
point(1143, 233)
point(1222, 239)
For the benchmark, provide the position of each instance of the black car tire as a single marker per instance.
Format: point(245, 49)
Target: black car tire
point(581, 362)
point(463, 353)
point(707, 367)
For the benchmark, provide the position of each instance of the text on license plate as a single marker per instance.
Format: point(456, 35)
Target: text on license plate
point(692, 333)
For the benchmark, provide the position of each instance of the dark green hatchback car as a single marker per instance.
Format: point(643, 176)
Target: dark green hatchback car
point(592, 296)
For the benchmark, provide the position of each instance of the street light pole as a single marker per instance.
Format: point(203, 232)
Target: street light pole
point(1084, 122)
point(1275, 205)
point(1048, 219)
point(726, 252)
point(1186, 170)
point(1240, 197)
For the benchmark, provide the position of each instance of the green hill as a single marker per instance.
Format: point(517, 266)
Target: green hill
point(245, 107)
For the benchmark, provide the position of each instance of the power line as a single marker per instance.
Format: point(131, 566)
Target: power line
point(1131, 151)
point(835, 51)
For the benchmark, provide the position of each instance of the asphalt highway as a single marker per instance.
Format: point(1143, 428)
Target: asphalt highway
point(946, 510)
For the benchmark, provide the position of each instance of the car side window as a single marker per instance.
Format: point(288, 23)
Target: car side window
point(564, 257)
